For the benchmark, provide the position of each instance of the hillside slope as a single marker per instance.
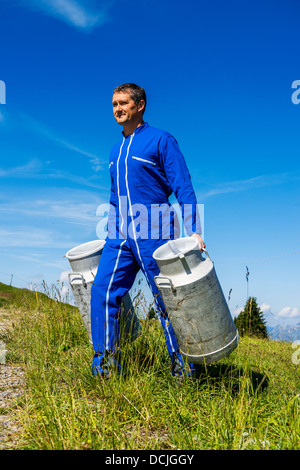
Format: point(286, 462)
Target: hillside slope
point(249, 400)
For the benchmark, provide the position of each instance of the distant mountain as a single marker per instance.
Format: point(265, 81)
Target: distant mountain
point(285, 332)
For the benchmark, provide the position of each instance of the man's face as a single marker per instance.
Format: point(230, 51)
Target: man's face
point(125, 109)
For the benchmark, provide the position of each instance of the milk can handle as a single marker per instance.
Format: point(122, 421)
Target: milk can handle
point(165, 277)
point(76, 274)
point(206, 253)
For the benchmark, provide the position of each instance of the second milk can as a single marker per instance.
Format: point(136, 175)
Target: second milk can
point(195, 302)
point(84, 260)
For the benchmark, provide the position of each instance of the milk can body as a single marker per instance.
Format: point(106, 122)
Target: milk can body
point(195, 302)
point(84, 260)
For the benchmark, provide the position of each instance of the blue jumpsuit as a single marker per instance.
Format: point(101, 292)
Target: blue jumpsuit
point(146, 167)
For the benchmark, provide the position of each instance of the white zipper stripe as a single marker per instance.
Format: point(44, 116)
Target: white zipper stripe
point(143, 160)
point(117, 260)
point(134, 232)
point(130, 207)
point(107, 295)
point(120, 249)
point(118, 181)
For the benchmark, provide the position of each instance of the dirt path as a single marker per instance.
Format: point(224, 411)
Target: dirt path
point(11, 387)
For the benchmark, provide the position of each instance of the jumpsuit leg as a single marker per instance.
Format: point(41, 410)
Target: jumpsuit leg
point(119, 263)
point(115, 276)
point(143, 250)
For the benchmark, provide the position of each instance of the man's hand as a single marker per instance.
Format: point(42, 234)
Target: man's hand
point(200, 241)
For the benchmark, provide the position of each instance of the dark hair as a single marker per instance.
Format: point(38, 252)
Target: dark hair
point(137, 93)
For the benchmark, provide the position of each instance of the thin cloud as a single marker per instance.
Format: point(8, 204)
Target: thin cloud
point(35, 126)
point(247, 184)
point(36, 169)
point(286, 312)
point(31, 125)
point(71, 206)
point(30, 169)
point(38, 258)
point(237, 311)
point(84, 15)
point(289, 312)
point(27, 237)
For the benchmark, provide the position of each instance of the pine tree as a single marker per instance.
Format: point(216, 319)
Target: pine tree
point(151, 314)
point(250, 321)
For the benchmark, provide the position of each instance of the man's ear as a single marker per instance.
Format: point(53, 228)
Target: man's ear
point(141, 105)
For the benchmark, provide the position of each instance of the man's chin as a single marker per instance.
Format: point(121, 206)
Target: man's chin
point(121, 119)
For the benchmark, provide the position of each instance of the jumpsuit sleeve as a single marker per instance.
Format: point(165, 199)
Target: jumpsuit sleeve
point(179, 179)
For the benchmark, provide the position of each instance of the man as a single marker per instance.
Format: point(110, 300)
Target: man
point(145, 168)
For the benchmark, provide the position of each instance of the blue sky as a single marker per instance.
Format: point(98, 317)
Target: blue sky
point(218, 76)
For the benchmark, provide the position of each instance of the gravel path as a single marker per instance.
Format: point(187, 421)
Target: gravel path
point(11, 387)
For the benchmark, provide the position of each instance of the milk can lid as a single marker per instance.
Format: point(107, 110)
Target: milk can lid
point(86, 249)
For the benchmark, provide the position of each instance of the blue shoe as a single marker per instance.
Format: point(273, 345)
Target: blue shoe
point(104, 365)
point(179, 368)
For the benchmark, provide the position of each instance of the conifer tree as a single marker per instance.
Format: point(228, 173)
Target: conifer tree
point(250, 321)
point(151, 314)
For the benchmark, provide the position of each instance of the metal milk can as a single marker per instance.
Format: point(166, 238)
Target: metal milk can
point(84, 260)
point(195, 302)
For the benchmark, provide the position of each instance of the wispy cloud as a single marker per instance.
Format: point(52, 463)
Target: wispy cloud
point(289, 312)
point(26, 236)
point(29, 169)
point(37, 127)
point(285, 313)
point(265, 308)
point(237, 311)
point(246, 184)
point(35, 168)
point(64, 205)
point(29, 124)
point(40, 259)
point(84, 15)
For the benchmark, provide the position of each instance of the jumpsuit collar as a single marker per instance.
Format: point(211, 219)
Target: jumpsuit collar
point(137, 130)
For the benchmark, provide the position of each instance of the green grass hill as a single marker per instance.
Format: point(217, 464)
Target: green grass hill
point(249, 400)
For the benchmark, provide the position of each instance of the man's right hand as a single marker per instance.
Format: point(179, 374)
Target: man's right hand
point(200, 241)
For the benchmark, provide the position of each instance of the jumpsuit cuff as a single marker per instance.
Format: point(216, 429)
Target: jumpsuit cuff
point(105, 364)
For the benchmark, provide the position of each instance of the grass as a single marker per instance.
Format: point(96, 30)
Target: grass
point(249, 400)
